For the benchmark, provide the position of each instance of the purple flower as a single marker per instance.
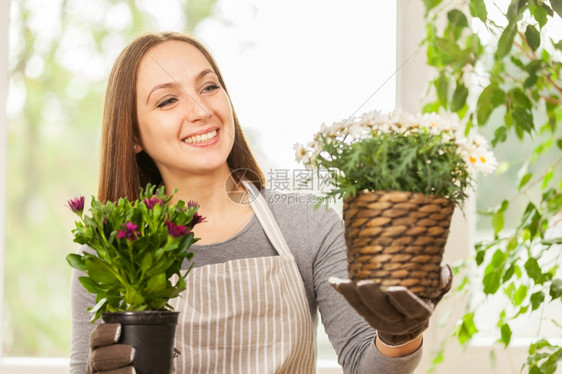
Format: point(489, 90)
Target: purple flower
point(76, 204)
point(197, 218)
point(176, 231)
point(130, 232)
point(151, 202)
point(192, 204)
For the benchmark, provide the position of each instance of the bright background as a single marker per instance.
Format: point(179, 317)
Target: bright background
point(289, 66)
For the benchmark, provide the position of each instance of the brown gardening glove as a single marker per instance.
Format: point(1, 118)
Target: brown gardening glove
point(397, 314)
point(106, 356)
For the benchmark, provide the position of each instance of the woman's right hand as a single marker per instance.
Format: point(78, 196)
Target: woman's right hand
point(106, 356)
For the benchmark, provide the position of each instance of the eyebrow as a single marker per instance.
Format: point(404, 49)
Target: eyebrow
point(176, 83)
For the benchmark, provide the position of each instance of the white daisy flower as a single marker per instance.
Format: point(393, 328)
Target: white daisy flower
point(301, 154)
point(356, 130)
point(482, 161)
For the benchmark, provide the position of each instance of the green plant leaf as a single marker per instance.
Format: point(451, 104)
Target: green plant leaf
point(541, 149)
point(491, 97)
point(536, 300)
point(505, 334)
point(76, 261)
point(431, 107)
point(498, 221)
point(491, 282)
point(98, 305)
point(533, 37)
point(478, 9)
point(448, 51)
point(156, 283)
point(520, 98)
point(528, 215)
point(459, 97)
point(547, 177)
point(523, 119)
point(493, 273)
point(557, 6)
point(524, 180)
point(498, 217)
point(133, 297)
point(99, 271)
point(555, 288)
point(538, 345)
point(500, 136)
point(480, 255)
point(510, 291)
point(442, 86)
point(515, 9)
point(520, 295)
point(553, 199)
point(547, 8)
point(457, 22)
point(508, 274)
point(430, 4)
point(534, 270)
point(508, 119)
point(506, 40)
point(466, 328)
point(512, 245)
point(540, 14)
point(531, 81)
point(147, 262)
point(91, 286)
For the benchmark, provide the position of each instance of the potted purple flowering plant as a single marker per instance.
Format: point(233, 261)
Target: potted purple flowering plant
point(135, 251)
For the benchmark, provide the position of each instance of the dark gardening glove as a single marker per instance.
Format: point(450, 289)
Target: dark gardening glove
point(106, 356)
point(397, 314)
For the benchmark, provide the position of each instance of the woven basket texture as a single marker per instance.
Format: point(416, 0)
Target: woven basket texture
point(397, 238)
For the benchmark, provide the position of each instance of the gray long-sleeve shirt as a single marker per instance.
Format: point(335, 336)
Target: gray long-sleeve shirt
point(315, 237)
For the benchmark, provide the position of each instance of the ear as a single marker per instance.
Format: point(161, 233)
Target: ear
point(137, 145)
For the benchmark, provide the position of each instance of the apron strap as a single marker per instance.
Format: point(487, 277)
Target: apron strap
point(267, 220)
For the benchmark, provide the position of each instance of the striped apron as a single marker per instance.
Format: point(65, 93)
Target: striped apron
point(248, 315)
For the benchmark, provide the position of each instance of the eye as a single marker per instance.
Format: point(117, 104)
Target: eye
point(211, 87)
point(166, 102)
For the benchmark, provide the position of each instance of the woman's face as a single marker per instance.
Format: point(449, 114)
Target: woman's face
point(184, 115)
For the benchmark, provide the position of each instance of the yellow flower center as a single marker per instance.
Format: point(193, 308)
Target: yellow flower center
point(483, 159)
point(472, 159)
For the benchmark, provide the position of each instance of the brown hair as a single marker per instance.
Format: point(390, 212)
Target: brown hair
point(122, 171)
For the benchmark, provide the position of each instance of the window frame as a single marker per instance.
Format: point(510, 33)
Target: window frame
point(4, 77)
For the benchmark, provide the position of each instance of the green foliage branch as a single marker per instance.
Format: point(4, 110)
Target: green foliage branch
point(134, 249)
point(519, 76)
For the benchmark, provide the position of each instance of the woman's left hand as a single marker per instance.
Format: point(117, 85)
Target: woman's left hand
point(397, 314)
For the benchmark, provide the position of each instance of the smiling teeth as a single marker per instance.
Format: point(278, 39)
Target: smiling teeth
point(201, 138)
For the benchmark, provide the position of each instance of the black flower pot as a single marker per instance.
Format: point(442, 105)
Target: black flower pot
point(152, 335)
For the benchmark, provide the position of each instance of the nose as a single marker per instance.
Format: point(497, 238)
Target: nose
point(196, 110)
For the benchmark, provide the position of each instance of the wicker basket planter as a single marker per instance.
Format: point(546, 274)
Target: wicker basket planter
point(397, 238)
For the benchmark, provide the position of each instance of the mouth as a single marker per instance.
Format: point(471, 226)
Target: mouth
point(202, 138)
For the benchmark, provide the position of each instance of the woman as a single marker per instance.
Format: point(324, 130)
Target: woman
point(168, 120)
